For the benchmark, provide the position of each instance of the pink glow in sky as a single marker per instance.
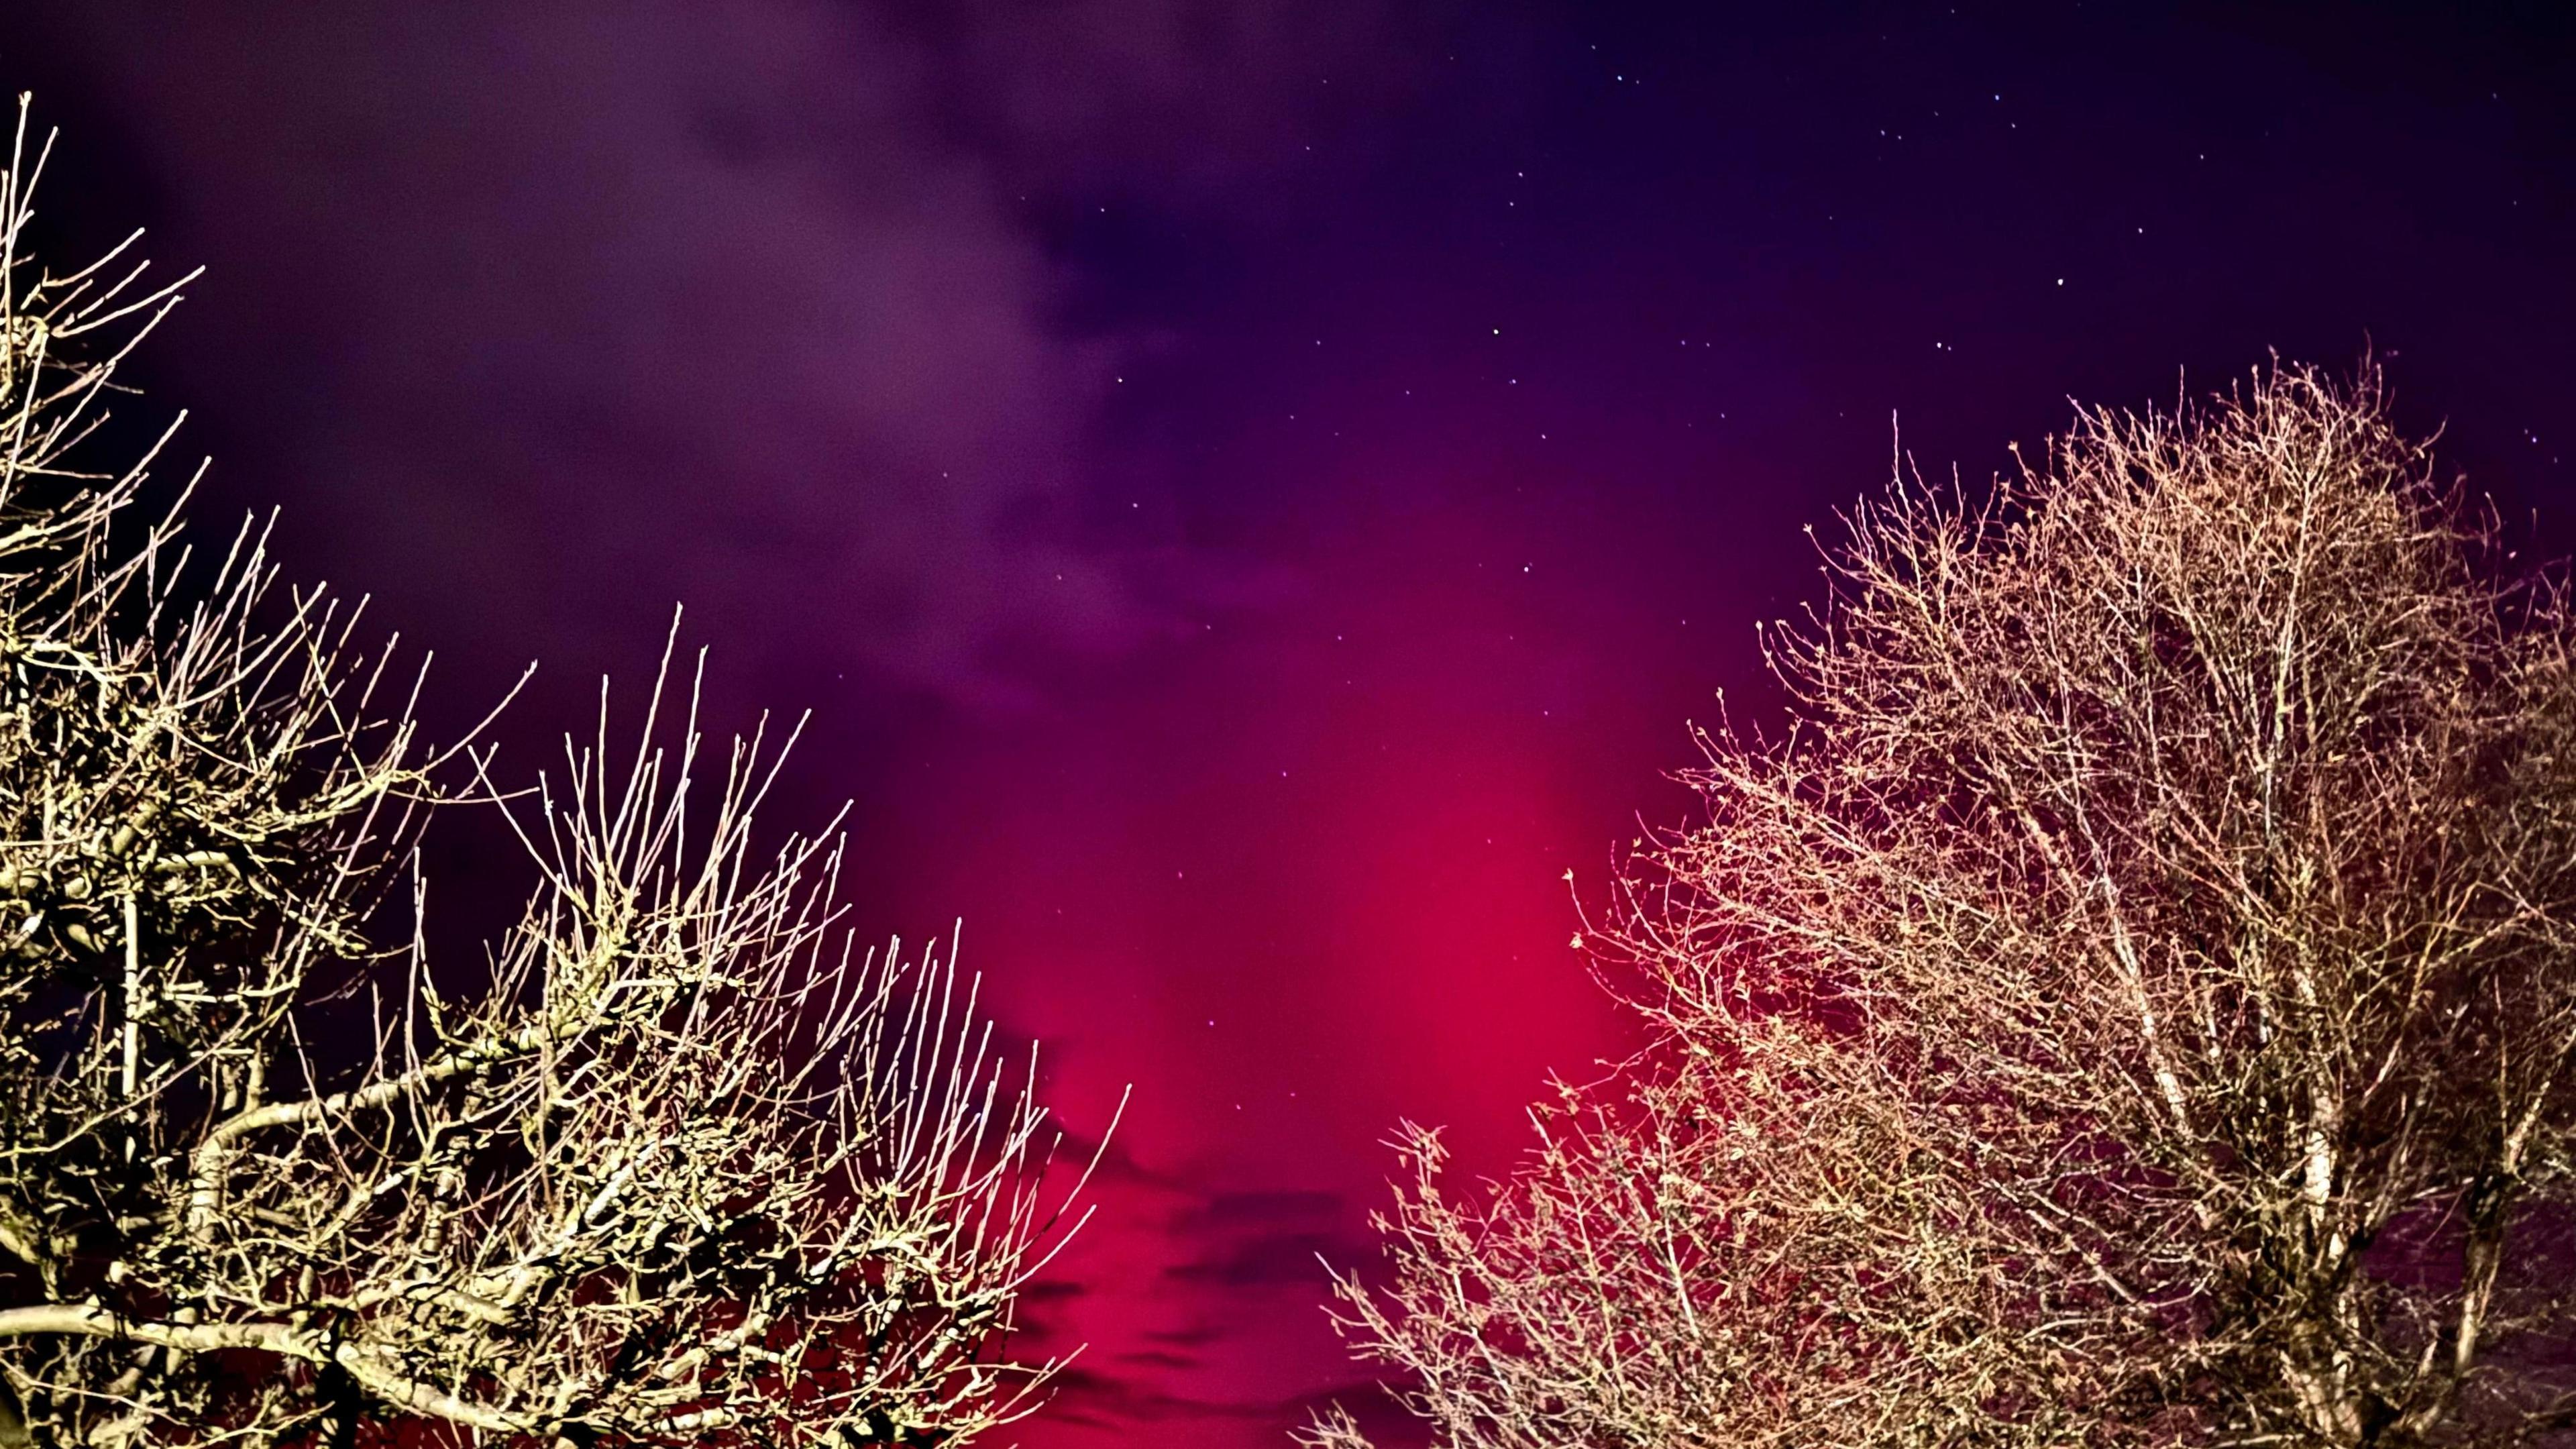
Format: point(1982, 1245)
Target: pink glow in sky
point(1252, 491)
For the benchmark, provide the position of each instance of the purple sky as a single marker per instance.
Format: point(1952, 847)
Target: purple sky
point(1253, 491)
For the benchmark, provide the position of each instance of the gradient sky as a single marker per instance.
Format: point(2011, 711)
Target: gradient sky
point(1254, 489)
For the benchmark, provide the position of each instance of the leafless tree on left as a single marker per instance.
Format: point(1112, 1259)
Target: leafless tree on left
point(681, 1165)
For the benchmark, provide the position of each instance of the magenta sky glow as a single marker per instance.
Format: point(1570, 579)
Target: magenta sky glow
point(1253, 491)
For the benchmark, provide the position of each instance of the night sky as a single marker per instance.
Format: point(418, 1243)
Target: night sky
point(1254, 490)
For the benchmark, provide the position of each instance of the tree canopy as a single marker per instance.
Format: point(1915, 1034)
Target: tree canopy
point(674, 1164)
point(2129, 1002)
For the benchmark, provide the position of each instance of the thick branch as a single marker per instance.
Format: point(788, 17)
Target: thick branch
point(208, 1161)
point(371, 1373)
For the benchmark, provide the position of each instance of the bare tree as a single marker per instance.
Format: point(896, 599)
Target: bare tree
point(2131, 1002)
point(682, 1167)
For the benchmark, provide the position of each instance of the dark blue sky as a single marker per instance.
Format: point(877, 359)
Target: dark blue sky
point(1254, 490)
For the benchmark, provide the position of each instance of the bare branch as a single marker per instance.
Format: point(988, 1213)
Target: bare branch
point(2131, 1004)
point(688, 1166)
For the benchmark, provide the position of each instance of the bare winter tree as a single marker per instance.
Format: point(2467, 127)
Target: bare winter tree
point(2130, 1003)
point(681, 1168)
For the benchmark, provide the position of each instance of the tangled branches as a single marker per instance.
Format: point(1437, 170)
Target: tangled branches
point(2132, 1004)
point(684, 1167)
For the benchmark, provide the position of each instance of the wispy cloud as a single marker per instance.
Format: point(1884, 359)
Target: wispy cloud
point(750, 304)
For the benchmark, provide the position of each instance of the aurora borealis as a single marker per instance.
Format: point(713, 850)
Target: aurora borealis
point(1253, 492)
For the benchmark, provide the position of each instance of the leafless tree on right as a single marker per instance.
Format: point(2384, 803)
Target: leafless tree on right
point(2131, 1002)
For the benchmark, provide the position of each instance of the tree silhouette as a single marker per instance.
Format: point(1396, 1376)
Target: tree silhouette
point(683, 1167)
point(2130, 1002)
